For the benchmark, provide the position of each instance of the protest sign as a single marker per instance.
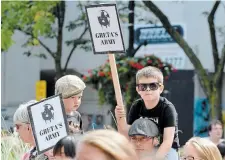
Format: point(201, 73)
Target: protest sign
point(48, 121)
point(107, 37)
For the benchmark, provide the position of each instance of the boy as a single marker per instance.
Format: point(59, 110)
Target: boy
point(71, 87)
point(144, 134)
point(149, 85)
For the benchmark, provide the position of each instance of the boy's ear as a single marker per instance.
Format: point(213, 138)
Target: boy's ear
point(161, 88)
point(137, 90)
point(155, 141)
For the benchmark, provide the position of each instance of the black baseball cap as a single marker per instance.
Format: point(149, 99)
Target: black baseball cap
point(144, 127)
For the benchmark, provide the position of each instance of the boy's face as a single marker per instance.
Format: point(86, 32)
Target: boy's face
point(151, 91)
point(72, 103)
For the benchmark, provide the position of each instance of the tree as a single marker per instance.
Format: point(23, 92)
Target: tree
point(39, 20)
point(211, 83)
point(128, 15)
point(45, 20)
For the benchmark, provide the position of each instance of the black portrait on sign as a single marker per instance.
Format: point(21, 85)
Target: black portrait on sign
point(104, 19)
point(48, 113)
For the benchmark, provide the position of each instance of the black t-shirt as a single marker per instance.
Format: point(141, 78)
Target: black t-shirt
point(164, 114)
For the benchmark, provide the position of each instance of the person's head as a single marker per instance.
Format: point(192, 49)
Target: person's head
point(71, 87)
point(215, 130)
point(104, 145)
point(221, 147)
point(22, 122)
point(149, 81)
point(65, 148)
point(99, 119)
point(144, 134)
point(202, 149)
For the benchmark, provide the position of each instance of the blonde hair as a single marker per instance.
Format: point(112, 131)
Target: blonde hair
point(150, 71)
point(206, 149)
point(114, 145)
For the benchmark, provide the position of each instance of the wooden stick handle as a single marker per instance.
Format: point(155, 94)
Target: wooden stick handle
point(115, 78)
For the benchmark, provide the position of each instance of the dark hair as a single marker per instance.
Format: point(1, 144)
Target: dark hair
point(69, 144)
point(214, 122)
point(221, 147)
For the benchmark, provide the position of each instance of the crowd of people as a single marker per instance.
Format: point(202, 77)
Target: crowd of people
point(148, 132)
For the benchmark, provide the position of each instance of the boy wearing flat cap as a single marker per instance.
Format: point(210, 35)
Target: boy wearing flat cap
point(71, 87)
point(144, 135)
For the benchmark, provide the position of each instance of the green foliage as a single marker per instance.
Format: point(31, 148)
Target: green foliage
point(12, 148)
point(100, 78)
point(31, 17)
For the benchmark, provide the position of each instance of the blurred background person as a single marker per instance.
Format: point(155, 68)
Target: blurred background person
point(202, 149)
point(65, 148)
point(105, 145)
point(24, 129)
point(215, 131)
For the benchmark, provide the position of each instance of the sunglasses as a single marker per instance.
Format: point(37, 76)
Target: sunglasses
point(190, 158)
point(152, 86)
point(19, 125)
point(142, 139)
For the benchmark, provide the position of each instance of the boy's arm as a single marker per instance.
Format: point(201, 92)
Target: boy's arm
point(170, 122)
point(121, 121)
point(166, 145)
point(123, 127)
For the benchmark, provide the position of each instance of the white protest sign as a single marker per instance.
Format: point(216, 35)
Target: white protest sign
point(48, 121)
point(105, 29)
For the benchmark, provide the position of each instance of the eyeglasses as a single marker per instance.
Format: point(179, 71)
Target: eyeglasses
point(152, 86)
point(190, 158)
point(141, 139)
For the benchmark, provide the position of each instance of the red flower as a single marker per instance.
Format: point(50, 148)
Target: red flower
point(108, 73)
point(101, 74)
point(89, 71)
point(149, 61)
point(160, 65)
point(166, 77)
point(174, 70)
point(126, 87)
point(139, 66)
point(84, 78)
point(131, 63)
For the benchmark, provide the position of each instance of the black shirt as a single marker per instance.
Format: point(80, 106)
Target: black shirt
point(164, 114)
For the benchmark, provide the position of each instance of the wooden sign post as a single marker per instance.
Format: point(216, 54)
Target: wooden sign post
point(107, 38)
point(116, 83)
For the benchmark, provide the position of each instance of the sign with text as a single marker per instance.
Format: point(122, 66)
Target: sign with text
point(105, 29)
point(155, 35)
point(48, 121)
point(161, 44)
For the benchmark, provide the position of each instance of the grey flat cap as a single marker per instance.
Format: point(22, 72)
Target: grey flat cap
point(69, 85)
point(144, 127)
